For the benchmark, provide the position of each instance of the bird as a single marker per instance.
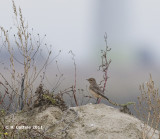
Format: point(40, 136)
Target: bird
point(95, 90)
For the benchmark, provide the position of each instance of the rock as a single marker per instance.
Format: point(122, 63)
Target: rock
point(91, 121)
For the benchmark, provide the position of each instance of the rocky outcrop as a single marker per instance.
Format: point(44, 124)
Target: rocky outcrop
point(91, 121)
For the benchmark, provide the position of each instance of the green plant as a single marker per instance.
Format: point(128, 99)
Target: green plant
point(3, 131)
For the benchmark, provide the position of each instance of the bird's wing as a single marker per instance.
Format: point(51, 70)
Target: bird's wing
point(97, 89)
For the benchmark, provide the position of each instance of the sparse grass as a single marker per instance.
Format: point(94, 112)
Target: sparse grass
point(44, 98)
point(148, 108)
point(24, 53)
point(19, 90)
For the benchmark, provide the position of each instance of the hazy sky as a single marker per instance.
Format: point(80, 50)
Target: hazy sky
point(68, 24)
point(80, 25)
point(133, 28)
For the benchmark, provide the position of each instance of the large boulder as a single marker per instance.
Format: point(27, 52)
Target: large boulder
point(91, 121)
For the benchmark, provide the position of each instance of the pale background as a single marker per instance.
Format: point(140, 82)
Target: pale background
point(133, 29)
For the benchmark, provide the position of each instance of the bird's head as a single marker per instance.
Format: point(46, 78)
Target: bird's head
point(91, 80)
